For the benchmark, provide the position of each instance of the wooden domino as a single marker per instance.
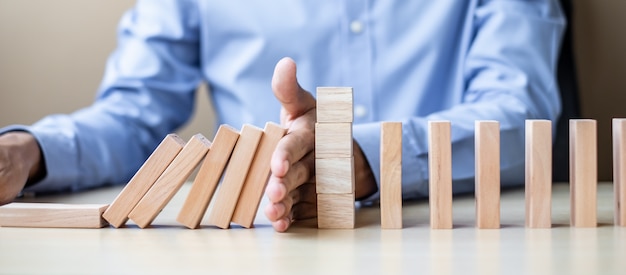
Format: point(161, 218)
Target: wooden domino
point(52, 215)
point(333, 140)
point(335, 211)
point(255, 182)
point(208, 176)
point(334, 104)
point(583, 172)
point(117, 213)
point(487, 174)
point(440, 171)
point(538, 174)
point(619, 170)
point(391, 175)
point(334, 175)
point(236, 172)
point(170, 181)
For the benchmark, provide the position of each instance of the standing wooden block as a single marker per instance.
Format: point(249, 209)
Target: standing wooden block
point(170, 181)
point(333, 140)
point(391, 175)
point(255, 183)
point(619, 170)
point(335, 211)
point(54, 215)
point(234, 177)
point(487, 174)
point(117, 213)
point(334, 175)
point(583, 172)
point(208, 176)
point(440, 171)
point(334, 104)
point(538, 173)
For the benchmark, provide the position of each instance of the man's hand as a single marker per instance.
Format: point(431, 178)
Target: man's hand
point(20, 158)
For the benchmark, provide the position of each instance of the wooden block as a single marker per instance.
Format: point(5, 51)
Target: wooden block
point(333, 140)
point(254, 185)
point(619, 170)
point(334, 175)
point(140, 183)
point(334, 104)
point(487, 174)
point(440, 171)
point(391, 175)
point(583, 172)
point(208, 176)
point(53, 215)
point(335, 211)
point(170, 181)
point(234, 177)
point(538, 173)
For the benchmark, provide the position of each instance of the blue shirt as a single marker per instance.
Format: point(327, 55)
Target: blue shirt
point(408, 61)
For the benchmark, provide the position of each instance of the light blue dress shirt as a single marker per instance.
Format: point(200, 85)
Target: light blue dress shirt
point(409, 61)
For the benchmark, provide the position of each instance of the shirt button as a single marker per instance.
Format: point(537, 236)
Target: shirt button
point(360, 111)
point(356, 26)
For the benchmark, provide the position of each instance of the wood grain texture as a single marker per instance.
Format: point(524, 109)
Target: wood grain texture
point(487, 152)
point(256, 181)
point(234, 177)
point(334, 104)
point(208, 176)
point(440, 174)
point(334, 175)
point(335, 211)
point(583, 172)
point(619, 170)
point(391, 175)
point(333, 140)
point(538, 174)
point(52, 215)
point(140, 183)
point(170, 181)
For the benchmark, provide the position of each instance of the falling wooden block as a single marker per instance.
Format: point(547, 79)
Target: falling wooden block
point(538, 173)
point(440, 171)
point(391, 175)
point(619, 170)
point(335, 211)
point(334, 175)
point(487, 174)
point(208, 176)
point(333, 140)
point(140, 183)
point(583, 172)
point(170, 181)
point(334, 104)
point(255, 183)
point(234, 177)
point(52, 215)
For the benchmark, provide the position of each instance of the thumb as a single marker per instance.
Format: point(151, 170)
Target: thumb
point(295, 100)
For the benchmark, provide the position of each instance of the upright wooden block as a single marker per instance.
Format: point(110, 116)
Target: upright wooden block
point(619, 170)
point(334, 104)
point(440, 171)
point(487, 174)
point(170, 181)
point(255, 183)
point(54, 215)
point(583, 173)
point(334, 175)
point(333, 140)
point(391, 175)
point(335, 211)
point(538, 173)
point(236, 172)
point(208, 176)
point(138, 186)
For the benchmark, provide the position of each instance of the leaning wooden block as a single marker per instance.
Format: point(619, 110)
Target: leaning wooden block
point(583, 173)
point(234, 177)
point(170, 181)
point(255, 182)
point(487, 174)
point(138, 186)
point(335, 211)
point(208, 176)
point(53, 215)
point(334, 104)
point(619, 169)
point(391, 175)
point(333, 140)
point(334, 175)
point(538, 173)
point(440, 174)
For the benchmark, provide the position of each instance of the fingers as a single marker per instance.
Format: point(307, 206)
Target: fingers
point(282, 184)
point(300, 204)
point(294, 100)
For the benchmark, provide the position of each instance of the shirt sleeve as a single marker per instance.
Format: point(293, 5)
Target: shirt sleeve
point(509, 76)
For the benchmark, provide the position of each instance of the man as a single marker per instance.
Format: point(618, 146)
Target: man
point(412, 62)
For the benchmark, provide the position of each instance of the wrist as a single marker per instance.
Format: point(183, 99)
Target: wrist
point(365, 181)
